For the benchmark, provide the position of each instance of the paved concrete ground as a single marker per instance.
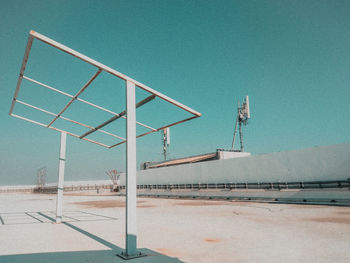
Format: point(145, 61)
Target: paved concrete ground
point(171, 230)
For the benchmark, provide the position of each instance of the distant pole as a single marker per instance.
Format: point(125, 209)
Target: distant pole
point(235, 131)
point(234, 134)
point(60, 183)
point(241, 136)
point(164, 139)
point(243, 114)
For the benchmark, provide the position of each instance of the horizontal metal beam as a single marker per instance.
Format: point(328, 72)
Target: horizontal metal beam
point(48, 87)
point(67, 119)
point(76, 96)
point(84, 101)
point(166, 126)
point(110, 70)
point(56, 129)
point(178, 122)
point(139, 104)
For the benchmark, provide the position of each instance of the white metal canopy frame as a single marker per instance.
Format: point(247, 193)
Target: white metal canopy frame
point(129, 114)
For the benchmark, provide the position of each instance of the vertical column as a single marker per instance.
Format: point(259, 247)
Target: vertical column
point(131, 242)
point(60, 182)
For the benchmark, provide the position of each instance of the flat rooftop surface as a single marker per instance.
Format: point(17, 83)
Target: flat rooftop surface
point(171, 230)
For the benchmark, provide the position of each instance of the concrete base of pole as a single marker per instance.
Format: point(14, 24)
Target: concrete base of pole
point(124, 256)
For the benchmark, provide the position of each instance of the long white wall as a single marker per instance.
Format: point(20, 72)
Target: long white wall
point(311, 164)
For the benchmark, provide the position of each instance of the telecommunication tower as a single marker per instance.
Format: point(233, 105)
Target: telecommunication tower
point(165, 142)
point(243, 114)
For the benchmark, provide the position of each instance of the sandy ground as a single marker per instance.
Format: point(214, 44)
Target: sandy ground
point(171, 230)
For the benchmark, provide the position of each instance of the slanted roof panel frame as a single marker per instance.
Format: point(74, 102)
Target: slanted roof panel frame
point(100, 67)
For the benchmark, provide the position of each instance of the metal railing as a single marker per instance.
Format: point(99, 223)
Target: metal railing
point(256, 186)
point(334, 184)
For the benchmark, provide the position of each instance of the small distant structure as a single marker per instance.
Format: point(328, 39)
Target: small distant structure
point(165, 142)
point(115, 177)
point(41, 178)
point(220, 154)
point(243, 115)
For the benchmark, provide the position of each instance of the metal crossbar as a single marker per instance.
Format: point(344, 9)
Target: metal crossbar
point(83, 101)
point(120, 115)
point(76, 96)
point(100, 67)
point(57, 129)
point(67, 119)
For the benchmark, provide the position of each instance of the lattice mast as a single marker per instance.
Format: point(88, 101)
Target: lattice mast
point(165, 142)
point(243, 114)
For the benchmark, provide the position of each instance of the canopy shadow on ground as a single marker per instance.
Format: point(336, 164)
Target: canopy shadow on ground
point(99, 256)
point(19, 218)
point(88, 256)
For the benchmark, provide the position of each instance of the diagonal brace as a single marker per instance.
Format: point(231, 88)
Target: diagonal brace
point(76, 96)
point(120, 115)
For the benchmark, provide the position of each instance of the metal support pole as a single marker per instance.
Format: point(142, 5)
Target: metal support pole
point(130, 227)
point(234, 135)
point(235, 131)
point(241, 136)
point(164, 140)
point(60, 183)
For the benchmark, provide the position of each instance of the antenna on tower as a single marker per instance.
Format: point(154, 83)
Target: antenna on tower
point(165, 141)
point(243, 114)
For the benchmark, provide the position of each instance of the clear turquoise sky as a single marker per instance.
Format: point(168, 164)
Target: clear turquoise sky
point(291, 57)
